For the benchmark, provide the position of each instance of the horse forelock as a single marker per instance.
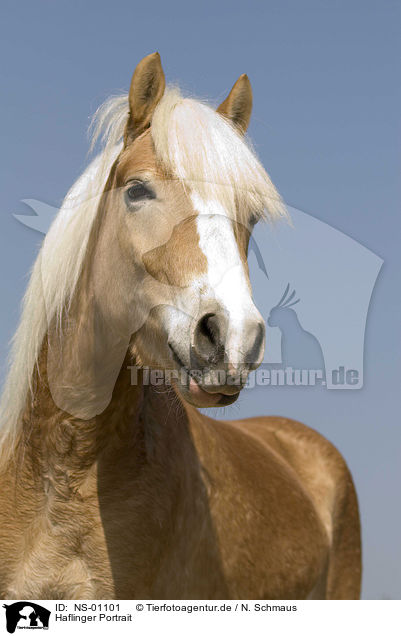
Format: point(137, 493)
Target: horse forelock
point(212, 159)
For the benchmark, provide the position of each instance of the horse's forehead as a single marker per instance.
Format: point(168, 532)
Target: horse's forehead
point(139, 157)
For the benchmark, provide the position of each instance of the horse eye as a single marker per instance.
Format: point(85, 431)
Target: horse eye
point(139, 191)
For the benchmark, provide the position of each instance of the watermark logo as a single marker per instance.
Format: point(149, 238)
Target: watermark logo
point(312, 285)
point(26, 615)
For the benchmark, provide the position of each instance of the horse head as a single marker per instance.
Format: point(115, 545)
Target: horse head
point(181, 200)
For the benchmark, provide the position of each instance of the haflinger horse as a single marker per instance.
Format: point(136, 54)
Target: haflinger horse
point(113, 487)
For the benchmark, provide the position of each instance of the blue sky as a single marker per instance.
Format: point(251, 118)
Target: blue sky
point(325, 124)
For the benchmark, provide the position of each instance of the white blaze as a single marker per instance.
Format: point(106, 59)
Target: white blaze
point(225, 279)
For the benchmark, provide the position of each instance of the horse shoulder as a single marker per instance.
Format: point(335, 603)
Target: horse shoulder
point(326, 478)
point(270, 531)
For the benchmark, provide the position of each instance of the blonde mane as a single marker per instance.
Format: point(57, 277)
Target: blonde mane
point(194, 144)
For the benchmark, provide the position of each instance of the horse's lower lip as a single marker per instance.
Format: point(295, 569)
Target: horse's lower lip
point(197, 391)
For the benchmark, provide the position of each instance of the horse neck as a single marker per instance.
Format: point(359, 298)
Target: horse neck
point(53, 435)
point(138, 424)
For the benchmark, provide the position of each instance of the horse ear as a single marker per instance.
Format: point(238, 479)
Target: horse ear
point(238, 105)
point(146, 90)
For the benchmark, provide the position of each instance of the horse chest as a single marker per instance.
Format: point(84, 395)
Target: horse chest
point(41, 577)
point(52, 559)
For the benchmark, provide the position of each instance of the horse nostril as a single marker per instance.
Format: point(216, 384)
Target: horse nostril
point(210, 345)
point(208, 328)
point(208, 341)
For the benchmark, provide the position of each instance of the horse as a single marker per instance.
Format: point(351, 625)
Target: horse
point(116, 487)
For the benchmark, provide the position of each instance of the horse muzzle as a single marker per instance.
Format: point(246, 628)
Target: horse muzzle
point(222, 354)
